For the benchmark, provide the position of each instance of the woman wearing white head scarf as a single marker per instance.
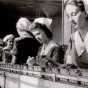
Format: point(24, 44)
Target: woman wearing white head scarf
point(77, 53)
point(9, 44)
point(48, 52)
point(26, 44)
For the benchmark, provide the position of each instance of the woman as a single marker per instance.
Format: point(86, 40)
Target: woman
point(48, 52)
point(25, 45)
point(77, 52)
point(9, 43)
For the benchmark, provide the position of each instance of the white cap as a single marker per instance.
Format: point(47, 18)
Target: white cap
point(22, 23)
point(22, 26)
point(8, 37)
point(45, 21)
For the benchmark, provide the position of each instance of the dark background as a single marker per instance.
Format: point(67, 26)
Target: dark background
point(11, 10)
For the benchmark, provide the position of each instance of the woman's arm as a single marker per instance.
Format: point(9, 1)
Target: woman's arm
point(53, 56)
point(70, 56)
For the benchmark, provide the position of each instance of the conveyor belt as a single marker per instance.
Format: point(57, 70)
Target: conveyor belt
point(71, 76)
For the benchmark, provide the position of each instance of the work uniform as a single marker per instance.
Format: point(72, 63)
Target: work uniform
point(78, 50)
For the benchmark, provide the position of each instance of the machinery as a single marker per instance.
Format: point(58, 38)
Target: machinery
point(77, 77)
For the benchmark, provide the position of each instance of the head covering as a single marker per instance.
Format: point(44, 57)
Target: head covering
point(78, 3)
point(22, 26)
point(8, 37)
point(45, 21)
point(86, 5)
point(71, 1)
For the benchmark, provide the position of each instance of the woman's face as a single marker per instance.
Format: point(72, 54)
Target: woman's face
point(10, 43)
point(39, 35)
point(75, 16)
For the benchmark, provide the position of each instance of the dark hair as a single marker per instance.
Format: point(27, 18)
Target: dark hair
point(44, 28)
point(78, 3)
point(1, 42)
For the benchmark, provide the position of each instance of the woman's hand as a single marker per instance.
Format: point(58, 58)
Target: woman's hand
point(30, 60)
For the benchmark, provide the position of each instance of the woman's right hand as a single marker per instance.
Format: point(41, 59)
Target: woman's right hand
point(30, 60)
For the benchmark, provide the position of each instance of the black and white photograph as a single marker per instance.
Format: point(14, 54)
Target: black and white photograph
point(43, 43)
